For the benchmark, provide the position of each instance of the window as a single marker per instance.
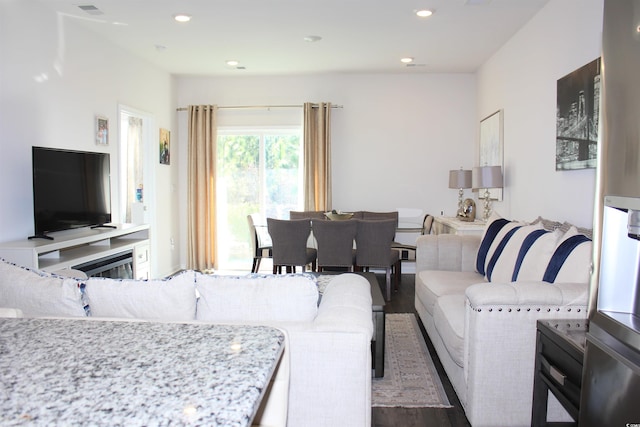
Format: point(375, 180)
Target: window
point(257, 171)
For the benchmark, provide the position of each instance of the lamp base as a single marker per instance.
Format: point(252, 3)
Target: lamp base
point(487, 204)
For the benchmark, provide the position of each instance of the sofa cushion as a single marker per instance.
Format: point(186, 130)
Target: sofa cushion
point(502, 264)
point(283, 298)
point(172, 299)
point(39, 294)
point(448, 318)
point(571, 260)
point(432, 284)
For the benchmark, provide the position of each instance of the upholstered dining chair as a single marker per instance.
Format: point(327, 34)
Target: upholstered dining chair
point(289, 238)
point(377, 216)
point(373, 249)
point(335, 243)
point(260, 240)
point(307, 215)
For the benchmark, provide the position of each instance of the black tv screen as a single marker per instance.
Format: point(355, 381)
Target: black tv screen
point(71, 189)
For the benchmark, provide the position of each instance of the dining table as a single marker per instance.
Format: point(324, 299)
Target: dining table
point(80, 372)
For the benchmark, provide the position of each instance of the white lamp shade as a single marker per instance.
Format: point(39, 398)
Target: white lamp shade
point(487, 177)
point(460, 179)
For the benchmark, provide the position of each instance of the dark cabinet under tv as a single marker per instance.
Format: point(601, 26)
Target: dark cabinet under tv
point(126, 243)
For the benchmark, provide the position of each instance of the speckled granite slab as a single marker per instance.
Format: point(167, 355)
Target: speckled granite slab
point(95, 373)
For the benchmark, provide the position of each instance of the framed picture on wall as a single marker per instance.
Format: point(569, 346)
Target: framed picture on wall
point(165, 145)
point(102, 130)
point(578, 101)
point(491, 146)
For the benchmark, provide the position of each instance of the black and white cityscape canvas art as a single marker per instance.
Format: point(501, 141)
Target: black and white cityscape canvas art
point(577, 115)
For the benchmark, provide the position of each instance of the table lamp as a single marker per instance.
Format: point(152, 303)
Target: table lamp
point(487, 177)
point(460, 179)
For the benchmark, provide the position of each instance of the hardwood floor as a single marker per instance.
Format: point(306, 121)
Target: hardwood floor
point(402, 301)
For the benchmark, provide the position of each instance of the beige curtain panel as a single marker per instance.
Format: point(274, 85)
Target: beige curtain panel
point(317, 156)
point(201, 222)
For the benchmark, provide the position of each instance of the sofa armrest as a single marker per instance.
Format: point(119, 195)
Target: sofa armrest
point(346, 306)
point(450, 252)
point(500, 342)
point(331, 358)
point(529, 294)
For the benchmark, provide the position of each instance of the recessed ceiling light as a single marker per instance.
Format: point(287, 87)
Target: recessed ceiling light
point(424, 13)
point(406, 60)
point(232, 62)
point(182, 17)
point(312, 39)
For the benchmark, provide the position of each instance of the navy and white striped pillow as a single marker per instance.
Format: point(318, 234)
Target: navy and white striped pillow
point(506, 260)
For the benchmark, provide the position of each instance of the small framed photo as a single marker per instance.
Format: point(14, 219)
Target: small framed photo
point(102, 130)
point(165, 145)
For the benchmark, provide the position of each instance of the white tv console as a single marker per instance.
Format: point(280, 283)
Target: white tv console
point(74, 247)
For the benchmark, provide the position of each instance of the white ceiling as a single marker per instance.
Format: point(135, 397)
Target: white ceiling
point(267, 36)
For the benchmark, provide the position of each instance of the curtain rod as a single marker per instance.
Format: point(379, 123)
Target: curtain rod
point(240, 107)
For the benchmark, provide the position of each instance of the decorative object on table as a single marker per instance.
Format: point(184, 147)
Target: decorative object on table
point(410, 379)
point(487, 178)
point(102, 130)
point(460, 179)
point(335, 215)
point(165, 143)
point(578, 100)
point(468, 212)
point(491, 146)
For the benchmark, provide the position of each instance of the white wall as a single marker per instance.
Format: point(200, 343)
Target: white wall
point(521, 79)
point(85, 77)
point(393, 142)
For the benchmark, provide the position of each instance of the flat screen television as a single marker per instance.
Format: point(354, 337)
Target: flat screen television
point(71, 189)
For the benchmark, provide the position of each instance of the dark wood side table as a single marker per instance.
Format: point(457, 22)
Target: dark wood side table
point(558, 367)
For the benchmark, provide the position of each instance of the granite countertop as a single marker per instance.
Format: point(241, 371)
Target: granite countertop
point(88, 372)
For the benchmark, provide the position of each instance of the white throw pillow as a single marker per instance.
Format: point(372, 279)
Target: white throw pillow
point(577, 265)
point(286, 298)
point(39, 294)
point(501, 269)
point(172, 299)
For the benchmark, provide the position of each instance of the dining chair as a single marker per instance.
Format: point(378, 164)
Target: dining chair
point(307, 215)
point(406, 250)
point(369, 216)
point(335, 243)
point(260, 240)
point(314, 216)
point(373, 249)
point(289, 238)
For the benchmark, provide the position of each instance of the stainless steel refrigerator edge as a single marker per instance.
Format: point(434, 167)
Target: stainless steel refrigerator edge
point(611, 376)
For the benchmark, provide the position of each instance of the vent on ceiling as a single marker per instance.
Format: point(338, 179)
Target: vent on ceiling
point(91, 9)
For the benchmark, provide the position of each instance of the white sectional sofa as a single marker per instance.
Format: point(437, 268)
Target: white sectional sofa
point(324, 378)
point(479, 298)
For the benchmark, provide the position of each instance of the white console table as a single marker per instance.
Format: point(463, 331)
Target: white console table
point(452, 225)
point(74, 247)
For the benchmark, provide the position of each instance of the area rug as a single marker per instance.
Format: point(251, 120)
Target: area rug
point(410, 378)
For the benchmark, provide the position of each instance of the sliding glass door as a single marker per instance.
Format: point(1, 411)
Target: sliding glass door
point(258, 171)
